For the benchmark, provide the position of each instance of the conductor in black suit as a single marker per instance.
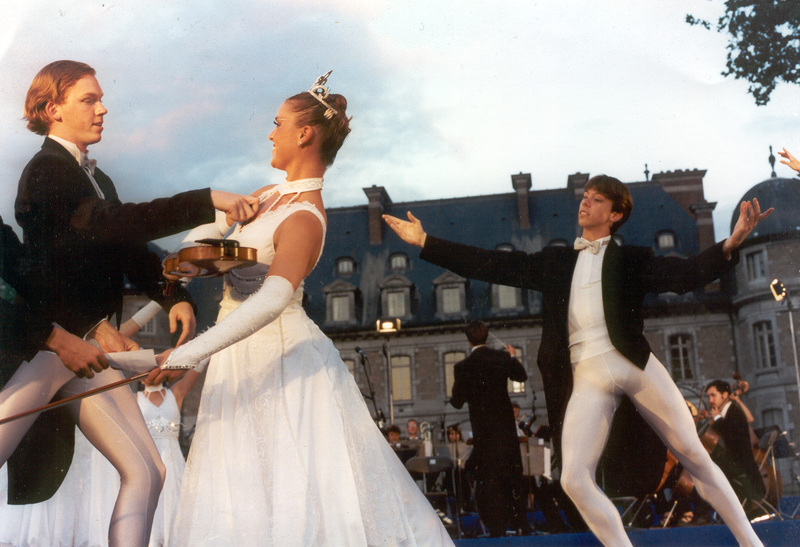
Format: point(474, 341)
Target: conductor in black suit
point(594, 356)
point(737, 460)
point(481, 381)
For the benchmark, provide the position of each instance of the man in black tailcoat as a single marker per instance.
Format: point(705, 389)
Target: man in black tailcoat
point(481, 381)
point(81, 242)
point(600, 377)
point(736, 460)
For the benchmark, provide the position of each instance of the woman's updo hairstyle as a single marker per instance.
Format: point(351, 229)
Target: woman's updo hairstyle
point(331, 132)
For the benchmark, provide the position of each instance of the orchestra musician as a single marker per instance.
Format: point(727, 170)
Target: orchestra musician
point(738, 462)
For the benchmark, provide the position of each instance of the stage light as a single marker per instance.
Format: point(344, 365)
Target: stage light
point(778, 289)
point(387, 326)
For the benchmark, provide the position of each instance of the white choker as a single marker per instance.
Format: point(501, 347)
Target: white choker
point(153, 389)
point(299, 186)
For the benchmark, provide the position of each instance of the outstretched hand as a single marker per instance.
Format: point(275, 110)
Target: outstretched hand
point(410, 232)
point(749, 216)
point(789, 160)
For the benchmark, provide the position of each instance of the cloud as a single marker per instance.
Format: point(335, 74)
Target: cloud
point(447, 98)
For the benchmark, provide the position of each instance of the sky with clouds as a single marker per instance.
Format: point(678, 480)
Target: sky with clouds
point(448, 98)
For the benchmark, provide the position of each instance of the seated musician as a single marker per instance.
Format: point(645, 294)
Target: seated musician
point(401, 448)
point(738, 462)
point(412, 439)
point(393, 436)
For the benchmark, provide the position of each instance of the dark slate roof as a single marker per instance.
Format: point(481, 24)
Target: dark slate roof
point(784, 195)
point(485, 221)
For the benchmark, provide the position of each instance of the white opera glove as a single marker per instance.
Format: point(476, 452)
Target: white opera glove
point(143, 316)
point(260, 309)
point(213, 230)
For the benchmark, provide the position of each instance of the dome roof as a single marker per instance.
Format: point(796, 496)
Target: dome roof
point(784, 195)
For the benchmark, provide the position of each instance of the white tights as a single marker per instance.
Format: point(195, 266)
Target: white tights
point(110, 420)
point(599, 382)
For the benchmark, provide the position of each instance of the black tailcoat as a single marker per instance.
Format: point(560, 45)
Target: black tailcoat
point(628, 274)
point(737, 460)
point(481, 381)
point(80, 248)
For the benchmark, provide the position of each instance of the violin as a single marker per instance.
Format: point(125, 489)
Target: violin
point(212, 258)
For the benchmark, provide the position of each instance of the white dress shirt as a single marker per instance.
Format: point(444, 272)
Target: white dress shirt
point(588, 332)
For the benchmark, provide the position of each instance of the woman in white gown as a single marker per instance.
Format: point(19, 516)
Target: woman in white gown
point(285, 451)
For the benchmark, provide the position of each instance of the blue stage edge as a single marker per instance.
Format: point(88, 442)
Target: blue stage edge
point(773, 533)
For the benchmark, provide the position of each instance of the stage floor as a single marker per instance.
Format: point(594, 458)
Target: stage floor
point(773, 533)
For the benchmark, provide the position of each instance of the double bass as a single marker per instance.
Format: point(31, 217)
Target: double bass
point(715, 447)
point(769, 474)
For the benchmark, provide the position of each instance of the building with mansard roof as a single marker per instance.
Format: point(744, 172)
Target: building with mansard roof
point(763, 331)
point(367, 274)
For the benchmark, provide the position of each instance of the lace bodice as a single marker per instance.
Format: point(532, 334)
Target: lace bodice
point(163, 420)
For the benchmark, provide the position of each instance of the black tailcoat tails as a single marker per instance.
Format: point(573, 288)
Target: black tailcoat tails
point(628, 274)
point(737, 459)
point(481, 381)
point(81, 249)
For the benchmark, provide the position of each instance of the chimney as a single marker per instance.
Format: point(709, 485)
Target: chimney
point(522, 185)
point(378, 200)
point(686, 188)
point(576, 183)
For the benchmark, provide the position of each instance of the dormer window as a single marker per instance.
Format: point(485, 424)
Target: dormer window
point(506, 298)
point(340, 303)
point(665, 240)
point(395, 296)
point(398, 262)
point(450, 294)
point(345, 266)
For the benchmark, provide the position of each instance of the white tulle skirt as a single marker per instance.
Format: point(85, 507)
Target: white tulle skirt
point(79, 513)
point(286, 453)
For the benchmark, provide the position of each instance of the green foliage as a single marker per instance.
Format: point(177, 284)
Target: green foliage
point(764, 46)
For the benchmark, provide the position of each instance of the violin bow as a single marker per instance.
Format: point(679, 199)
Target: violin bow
point(67, 400)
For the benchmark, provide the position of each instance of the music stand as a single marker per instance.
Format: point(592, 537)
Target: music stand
point(434, 464)
point(774, 441)
point(782, 448)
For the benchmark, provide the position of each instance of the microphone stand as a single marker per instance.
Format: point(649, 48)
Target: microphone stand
point(379, 417)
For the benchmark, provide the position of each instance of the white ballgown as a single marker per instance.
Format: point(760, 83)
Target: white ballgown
point(285, 451)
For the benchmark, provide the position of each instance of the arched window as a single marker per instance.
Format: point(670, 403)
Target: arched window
point(345, 266)
point(765, 345)
point(398, 262)
point(681, 356)
point(665, 240)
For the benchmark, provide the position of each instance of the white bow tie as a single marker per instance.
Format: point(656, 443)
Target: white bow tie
point(592, 246)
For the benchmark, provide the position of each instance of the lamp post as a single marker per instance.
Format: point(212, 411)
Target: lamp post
point(387, 327)
point(781, 294)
